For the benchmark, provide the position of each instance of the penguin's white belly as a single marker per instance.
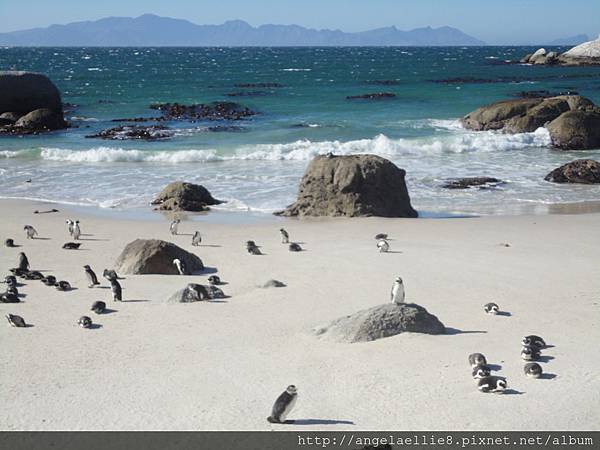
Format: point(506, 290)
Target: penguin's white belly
point(397, 294)
point(288, 408)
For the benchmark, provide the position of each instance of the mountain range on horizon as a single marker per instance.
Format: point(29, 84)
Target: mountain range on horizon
point(154, 31)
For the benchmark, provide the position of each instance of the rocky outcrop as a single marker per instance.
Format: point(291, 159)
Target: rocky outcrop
point(584, 54)
point(153, 256)
point(356, 185)
point(190, 294)
point(582, 171)
point(469, 182)
point(211, 111)
point(145, 133)
point(573, 121)
point(29, 103)
point(372, 96)
point(576, 130)
point(380, 322)
point(181, 196)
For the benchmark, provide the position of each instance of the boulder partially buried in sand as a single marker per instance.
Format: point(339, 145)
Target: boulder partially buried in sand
point(181, 196)
point(352, 186)
point(190, 294)
point(381, 322)
point(582, 171)
point(153, 256)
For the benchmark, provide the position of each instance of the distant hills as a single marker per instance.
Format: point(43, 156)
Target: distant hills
point(572, 40)
point(154, 31)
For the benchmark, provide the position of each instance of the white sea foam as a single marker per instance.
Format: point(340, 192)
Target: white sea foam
point(304, 150)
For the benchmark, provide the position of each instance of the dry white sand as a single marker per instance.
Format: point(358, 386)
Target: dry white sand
point(220, 366)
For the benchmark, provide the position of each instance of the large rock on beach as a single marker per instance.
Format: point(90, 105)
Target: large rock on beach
point(582, 171)
point(181, 196)
point(190, 294)
point(153, 256)
point(23, 92)
point(352, 186)
point(380, 322)
point(576, 130)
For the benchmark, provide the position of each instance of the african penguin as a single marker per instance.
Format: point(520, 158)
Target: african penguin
point(16, 321)
point(110, 274)
point(98, 307)
point(253, 248)
point(214, 292)
point(383, 246)
point(181, 267)
point(295, 247)
point(196, 239)
point(23, 262)
point(397, 293)
point(11, 280)
point(9, 297)
point(30, 231)
point(533, 370)
point(530, 353)
point(9, 243)
point(33, 275)
point(491, 384)
point(491, 308)
point(71, 245)
point(116, 290)
point(84, 322)
point(283, 405)
point(76, 230)
point(173, 227)
point(285, 236)
point(49, 280)
point(63, 286)
point(480, 371)
point(70, 224)
point(380, 236)
point(91, 276)
point(477, 359)
point(533, 340)
point(214, 280)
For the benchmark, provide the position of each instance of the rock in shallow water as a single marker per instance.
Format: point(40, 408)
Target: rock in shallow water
point(582, 171)
point(380, 322)
point(181, 196)
point(466, 183)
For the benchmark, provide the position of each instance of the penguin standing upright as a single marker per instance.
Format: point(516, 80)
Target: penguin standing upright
point(283, 405)
point(383, 246)
point(30, 232)
point(181, 267)
point(285, 236)
point(91, 276)
point(23, 262)
point(116, 290)
point(174, 226)
point(398, 294)
point(196, 239)
point(76, 230)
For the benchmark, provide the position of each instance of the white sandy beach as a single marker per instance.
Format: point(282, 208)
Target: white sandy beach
point(220, 366)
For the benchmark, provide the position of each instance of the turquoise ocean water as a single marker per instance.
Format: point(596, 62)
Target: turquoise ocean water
point(258, 166)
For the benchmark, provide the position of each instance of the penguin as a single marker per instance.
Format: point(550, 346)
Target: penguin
point(98, 307)
point(214, 292)
point(116, 290)
point(196, 239)
point(110, 274)
point(491, 308)
point(533, 340)
point(34, 275)
point(23, 262)
point(18, 272)
point(285, 236)
point(480, 371)
point(84, 322)
point(284, 405)
point(76, 230)
point(30, 231)
point(397, 293)
point(181, 267)
point(214, 280)
point(294, 247)
point(173, 226)
point(49, 280)
point(530, 353)
point(63, 286)
point(477, 359)
point(381, 236)
point(70, 225)
point(12, 290)
point(253, 248)
point(11, 280)
point(532, 370)
point(491, 384)
point(16, 321)
point(71, 246)
point(9, 243)
point(9, 297)
point(91, 276)
point(383, 246)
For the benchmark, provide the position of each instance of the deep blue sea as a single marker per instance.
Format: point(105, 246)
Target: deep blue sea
point(258, 166)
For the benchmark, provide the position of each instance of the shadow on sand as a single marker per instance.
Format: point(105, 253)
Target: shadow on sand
point(319, 422)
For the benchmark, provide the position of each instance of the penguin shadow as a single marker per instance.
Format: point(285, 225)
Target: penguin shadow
point(495, 367)
point(93, 239)
point(109, 311)
point(95, 326)
point(15, 246)
point(503, 313)
point(102, 287)
point(37, 238)
point(134, 301)
point(452, 331)
point(547, 376)
point(392, 251)
point(545, 358)
point(304, 422)
point(206, 270)
point(209, 245)
point(512, 392)
point(221, 300)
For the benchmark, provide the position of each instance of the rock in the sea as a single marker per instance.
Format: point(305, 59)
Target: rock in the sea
point(153, 256)
point(355, 185)
point(181, 196)
point(523, 115)
point(583, 171)
point(584, 54)
point(380, 322)
point(212, 111)
point(10, 117)
point(468, 182)
point(373, 96)
point(23, 92)
point(576, 130)
point(191, 293)
point(146, 133)
point(43, 119)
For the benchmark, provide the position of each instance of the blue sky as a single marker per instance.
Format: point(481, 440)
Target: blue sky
point(494, 21)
